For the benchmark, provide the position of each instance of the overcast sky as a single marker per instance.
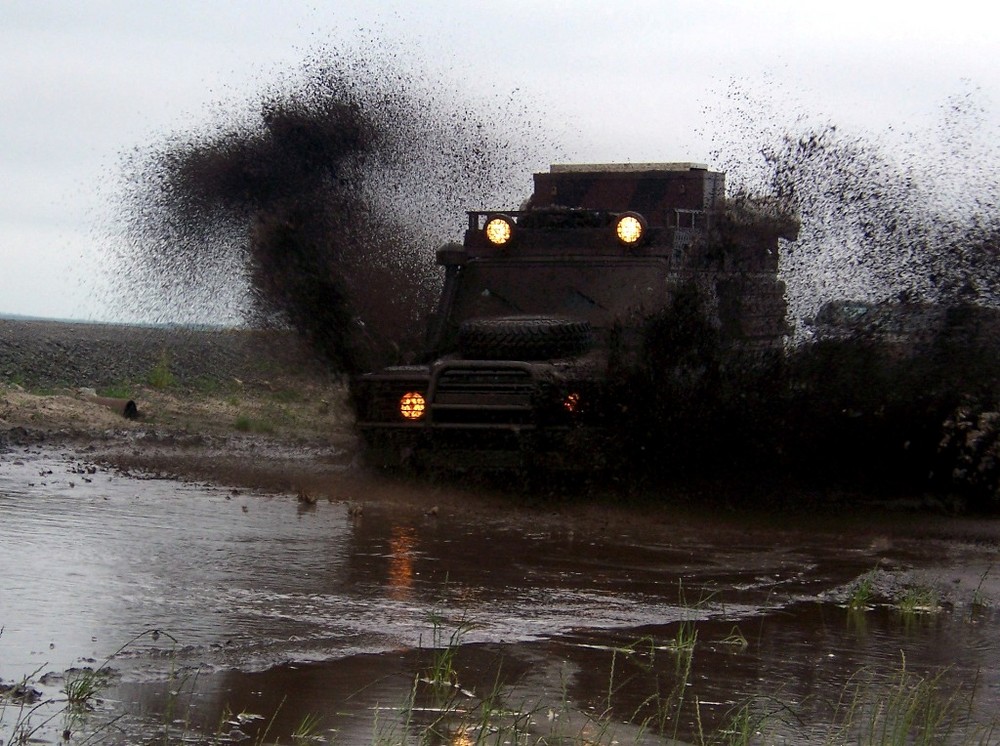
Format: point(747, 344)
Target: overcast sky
point(83, 82)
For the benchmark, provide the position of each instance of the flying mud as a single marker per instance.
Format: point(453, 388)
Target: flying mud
point(318, 205)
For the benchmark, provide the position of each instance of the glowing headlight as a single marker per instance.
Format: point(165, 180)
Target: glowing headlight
point(499, 230)
point(412, 405)
point(630, 228)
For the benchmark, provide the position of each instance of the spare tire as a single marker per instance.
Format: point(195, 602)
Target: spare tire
point(523, 338)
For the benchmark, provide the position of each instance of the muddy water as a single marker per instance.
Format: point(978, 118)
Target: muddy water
point(260, 605)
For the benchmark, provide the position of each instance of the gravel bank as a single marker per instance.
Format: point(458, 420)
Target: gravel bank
point(43, 354)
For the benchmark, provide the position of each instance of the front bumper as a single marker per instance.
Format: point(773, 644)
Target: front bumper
point(480, 415)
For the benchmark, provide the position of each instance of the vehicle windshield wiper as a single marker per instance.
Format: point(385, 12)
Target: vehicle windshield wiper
point(503, 299)
point(587, 298)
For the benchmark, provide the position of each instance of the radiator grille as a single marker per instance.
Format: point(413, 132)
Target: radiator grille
point(491, 396)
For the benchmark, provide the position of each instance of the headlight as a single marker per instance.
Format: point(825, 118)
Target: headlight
point(499, 230)
point(630, 228)
point(412, 405)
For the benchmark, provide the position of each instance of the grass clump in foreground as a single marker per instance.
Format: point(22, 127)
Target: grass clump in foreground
point(907, 709)
point(26, 716)
point(875, 709)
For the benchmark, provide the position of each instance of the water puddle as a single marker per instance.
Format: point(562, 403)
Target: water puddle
point(231, 615)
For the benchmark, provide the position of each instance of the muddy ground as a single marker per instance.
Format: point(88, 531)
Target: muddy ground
point(230, 405)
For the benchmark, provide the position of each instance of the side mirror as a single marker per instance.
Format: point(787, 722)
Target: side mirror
point(452, 255)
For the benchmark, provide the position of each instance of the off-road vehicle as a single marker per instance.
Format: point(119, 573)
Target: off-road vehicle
point(543, 306)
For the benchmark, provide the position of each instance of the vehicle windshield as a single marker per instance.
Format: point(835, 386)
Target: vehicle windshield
point(599, 291)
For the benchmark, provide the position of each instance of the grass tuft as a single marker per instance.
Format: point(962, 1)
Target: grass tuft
point(442, 674)
point(308, 729)
point(862, 593)
point(908, 709)
point(979, 600)
point(116, 391)
point(735, 639)
point(247, 424)
point(83, 687)
point(160, 375)
point(918, 599)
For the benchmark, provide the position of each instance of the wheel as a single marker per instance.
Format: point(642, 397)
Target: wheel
point(523, 338)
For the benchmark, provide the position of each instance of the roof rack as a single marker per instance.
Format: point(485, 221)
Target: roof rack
point(563, 168)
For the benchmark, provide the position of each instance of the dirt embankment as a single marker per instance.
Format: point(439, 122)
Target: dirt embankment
point(249, 407)
point(51, 354)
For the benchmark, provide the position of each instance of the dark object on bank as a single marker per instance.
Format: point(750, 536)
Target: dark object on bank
point(125, 407)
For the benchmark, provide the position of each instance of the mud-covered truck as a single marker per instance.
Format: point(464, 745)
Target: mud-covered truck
point(543, 306)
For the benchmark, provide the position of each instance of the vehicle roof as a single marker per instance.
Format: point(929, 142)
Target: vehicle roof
point(563, 168)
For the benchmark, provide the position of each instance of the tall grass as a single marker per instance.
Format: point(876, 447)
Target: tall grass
point(160, 376)
point(907, 708)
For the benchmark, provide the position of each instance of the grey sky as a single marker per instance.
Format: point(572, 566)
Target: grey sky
point(80, 83)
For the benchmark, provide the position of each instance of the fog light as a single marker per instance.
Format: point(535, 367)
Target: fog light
point(630, 228)
point(499, 230)
point(412, 405)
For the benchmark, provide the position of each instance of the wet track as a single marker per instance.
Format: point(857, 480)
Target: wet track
point(264, 604)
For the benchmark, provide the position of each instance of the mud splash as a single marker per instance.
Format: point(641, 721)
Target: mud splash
point(320, 203)
point(336, 183)
point(906, 222)
point(905, 215)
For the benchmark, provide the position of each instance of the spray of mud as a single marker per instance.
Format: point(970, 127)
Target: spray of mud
point(905, 221)
point(320, 203)
point(905, 215)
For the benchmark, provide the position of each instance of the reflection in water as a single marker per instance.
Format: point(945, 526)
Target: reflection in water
point(463, 737)
point(402, 547)
point(306, 611)
point(857, 622)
